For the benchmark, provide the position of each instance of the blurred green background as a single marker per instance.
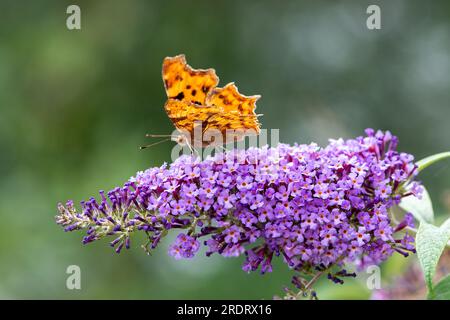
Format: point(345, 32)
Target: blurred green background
point(75, 105)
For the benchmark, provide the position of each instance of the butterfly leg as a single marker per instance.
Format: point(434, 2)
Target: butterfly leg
point(193, 150)
point(224, 149)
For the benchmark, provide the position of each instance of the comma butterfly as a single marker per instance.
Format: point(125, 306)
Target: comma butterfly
point(196, 104)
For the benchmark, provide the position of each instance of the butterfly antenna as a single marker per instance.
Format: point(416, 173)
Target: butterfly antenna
point(148, 135)
point(251, 115)
point(153, 144)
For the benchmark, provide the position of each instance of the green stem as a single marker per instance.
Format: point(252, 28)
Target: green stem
point(428, 161)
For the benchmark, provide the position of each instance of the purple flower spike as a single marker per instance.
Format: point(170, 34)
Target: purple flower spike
point(313, 207)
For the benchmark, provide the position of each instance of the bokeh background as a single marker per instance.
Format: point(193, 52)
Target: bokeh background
point(75, 105)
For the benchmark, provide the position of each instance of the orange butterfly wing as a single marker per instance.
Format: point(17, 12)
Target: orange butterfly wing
point(185, 114)
point(193, 97)
point(238, 111)
point(185, 83)
point(231, 100)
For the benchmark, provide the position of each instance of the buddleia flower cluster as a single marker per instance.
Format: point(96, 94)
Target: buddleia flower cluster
point(313, 207)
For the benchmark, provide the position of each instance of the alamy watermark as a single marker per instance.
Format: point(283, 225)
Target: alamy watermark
point(373, 281)
point(73, 281)
point(73, 21)
point(373, 21)
point(206, 143)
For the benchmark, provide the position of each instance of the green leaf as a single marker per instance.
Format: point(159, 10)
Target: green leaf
point(446, 226)
point(421, 209)
point(428, 161)
point(441, 291)
point(430, 242)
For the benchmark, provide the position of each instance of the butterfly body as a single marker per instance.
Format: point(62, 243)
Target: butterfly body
point(199, 109)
